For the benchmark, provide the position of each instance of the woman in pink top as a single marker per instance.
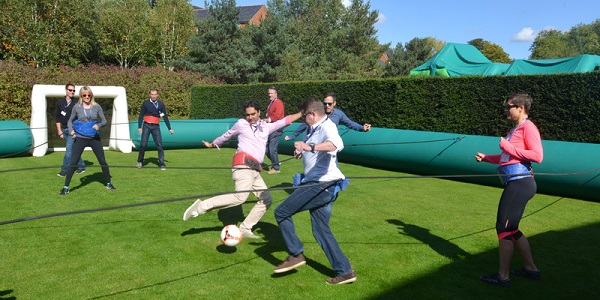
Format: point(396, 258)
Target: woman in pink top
point(521, 146)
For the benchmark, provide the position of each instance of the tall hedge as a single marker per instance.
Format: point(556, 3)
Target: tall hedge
point(565, 108)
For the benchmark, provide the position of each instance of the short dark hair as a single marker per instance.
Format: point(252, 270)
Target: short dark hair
point(520, 99)
point(273, 88)
point(251, 103)
point(68, 85)
point(312, 104)
point(330, 94)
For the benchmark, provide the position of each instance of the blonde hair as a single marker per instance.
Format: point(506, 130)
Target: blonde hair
point(84, 89)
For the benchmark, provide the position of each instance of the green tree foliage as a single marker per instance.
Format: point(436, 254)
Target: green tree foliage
point(325, 40)
point(493, 52)
point(403, 59)
point(172, 21)
point(124, 32)
point(220, 50)
point(551, 43)
point(46, 33)
point(581, 39)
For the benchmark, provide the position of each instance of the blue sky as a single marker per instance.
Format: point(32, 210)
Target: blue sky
point(511, 24)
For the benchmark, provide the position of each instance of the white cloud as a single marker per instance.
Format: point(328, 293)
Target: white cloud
point(381, 19)
point(347, 3)
point(527, 34)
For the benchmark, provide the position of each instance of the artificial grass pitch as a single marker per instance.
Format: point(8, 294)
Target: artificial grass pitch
point(419, 238)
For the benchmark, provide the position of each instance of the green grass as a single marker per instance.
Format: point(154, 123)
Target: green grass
point(406, 238)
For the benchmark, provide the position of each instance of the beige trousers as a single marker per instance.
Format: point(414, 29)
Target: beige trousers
point(245, 180)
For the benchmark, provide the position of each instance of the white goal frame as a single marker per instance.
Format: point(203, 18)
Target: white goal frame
point(120, 139)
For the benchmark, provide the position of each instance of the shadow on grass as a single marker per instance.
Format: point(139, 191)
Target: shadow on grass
point(88, 178)
point(440, 245)
point(569, 261)
point(4, 295)
point(273, 242)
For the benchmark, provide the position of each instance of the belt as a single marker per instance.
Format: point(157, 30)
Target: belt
point(514, 171)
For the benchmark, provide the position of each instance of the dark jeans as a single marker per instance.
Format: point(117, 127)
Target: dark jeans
point(318, 200)
point(78, 146)
point(69, 140)
point(272, 144)
point(153, 129)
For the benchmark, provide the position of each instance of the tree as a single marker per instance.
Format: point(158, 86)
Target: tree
point(402, 59)
point(584, 39)
point(125, 34)
point(327, 40)
point(173, 24)
point(493, 52)
point(219, 49)
point(551, 43)
point(581, 39)
point(46, 33)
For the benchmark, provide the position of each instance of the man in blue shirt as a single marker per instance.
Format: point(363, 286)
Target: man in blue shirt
point(335, 115)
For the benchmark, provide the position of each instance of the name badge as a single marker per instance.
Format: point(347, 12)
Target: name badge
point(64, 113)
point(162, 115)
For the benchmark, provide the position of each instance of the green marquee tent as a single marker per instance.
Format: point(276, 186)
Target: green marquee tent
point(463, 59)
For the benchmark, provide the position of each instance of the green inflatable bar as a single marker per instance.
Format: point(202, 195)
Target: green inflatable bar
point(16, 138)
point(569, 169)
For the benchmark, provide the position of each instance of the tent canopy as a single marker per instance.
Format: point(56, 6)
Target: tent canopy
point(463, 59)
point(459, 59)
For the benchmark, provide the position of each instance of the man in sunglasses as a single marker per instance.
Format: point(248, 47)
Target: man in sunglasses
point(62, 114)
point(335, 115)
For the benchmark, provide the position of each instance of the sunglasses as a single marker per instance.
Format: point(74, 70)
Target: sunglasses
point(328, 103)
point(72, 91)
point(509, 106)
point(87, 95)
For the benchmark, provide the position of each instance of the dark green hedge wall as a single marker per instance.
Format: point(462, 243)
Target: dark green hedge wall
point(566, 107)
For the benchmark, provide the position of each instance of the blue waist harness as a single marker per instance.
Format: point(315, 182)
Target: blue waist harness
point(515, 171)
point(339, 186)
point(85, 128)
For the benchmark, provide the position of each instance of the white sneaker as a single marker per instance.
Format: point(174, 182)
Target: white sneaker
point(193, 211)
point(247, 233)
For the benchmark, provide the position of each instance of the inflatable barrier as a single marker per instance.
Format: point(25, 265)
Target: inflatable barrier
point(188, 133)
point(568, 169)
point(15, 137)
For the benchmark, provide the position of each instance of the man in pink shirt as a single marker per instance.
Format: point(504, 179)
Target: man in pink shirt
point(252, 133)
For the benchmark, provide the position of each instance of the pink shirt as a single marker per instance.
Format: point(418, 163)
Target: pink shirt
point(252, 139)
point(525, 145)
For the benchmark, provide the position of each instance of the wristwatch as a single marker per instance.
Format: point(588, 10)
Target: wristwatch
point(312, 148)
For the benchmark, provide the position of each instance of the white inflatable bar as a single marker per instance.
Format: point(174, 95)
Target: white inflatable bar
point(120, 139)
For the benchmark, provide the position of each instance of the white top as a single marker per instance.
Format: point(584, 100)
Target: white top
point(322, 166)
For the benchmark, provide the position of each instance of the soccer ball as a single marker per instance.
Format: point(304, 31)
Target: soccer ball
point(231, 235)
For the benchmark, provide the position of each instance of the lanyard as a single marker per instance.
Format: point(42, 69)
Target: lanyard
point(310, 132)
point(512, 132)
point(85, 113)
point(155, 103)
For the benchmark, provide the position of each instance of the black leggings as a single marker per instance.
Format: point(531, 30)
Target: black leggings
point(512, 206)
point(80, 144)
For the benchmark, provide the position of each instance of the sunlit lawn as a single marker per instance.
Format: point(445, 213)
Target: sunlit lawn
point(406, 238)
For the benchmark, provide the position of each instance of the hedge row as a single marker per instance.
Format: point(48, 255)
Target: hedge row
point(565, 108)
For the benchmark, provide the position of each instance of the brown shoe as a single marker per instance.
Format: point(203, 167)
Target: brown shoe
point(349, 277)
point(290, 263)
point(273, 171)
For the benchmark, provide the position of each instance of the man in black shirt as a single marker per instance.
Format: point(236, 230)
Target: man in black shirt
point(150, 113)
point(62, 113)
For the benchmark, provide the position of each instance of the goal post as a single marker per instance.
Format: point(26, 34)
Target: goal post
point(120, 139)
